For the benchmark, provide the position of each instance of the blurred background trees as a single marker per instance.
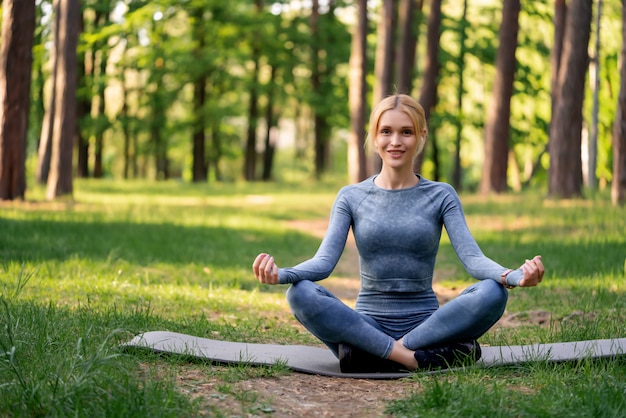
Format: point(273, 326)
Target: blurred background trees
point(213, 90)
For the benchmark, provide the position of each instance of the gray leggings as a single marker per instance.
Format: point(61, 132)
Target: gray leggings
point(466, 317)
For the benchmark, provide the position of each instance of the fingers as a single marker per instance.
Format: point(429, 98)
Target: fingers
point(533, 272)
point(265, 269)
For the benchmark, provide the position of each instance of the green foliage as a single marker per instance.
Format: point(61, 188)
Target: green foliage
point(161, 48)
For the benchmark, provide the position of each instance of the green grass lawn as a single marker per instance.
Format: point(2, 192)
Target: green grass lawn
point(77, 278)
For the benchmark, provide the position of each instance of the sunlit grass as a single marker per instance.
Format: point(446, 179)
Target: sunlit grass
point(123, 258)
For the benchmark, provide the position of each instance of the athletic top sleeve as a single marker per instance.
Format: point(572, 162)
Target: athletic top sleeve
point(397, 233)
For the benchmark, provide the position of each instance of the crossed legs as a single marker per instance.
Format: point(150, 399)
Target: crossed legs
point(466, 317)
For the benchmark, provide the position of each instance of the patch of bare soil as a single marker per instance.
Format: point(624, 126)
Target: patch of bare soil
point(296, 395)
point(302, 395)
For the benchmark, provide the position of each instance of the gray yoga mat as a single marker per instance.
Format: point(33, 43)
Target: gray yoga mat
point(321, 361)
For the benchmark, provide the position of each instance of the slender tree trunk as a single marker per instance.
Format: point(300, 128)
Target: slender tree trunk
point(253, 112)
point(270, 123)
point(565, 173)
point(560, 15)
point(385, 51)
point(498, 124)
point(457, 170)
point(83, 106)
point(428, 93)
point(407, 15)
point(125, 123)
point(322, 128)
point(618, 186)
point(216, 149)
point(200, 166)
point(102, 125)
point(44, 153)
point(16, 59)
point(357, 161)
point(383, 66)
point(60, 177)
point(592, 178)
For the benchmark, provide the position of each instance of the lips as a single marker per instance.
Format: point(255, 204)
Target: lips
point(395, 153)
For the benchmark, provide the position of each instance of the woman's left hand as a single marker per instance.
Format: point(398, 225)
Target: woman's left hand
point(533, 272)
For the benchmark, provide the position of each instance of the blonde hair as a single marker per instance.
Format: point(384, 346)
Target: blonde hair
point(403, 103)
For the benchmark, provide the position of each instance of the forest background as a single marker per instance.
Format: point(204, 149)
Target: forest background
point(517, 94)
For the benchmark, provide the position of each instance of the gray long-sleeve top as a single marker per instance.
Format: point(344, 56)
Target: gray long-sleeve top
point(397, 233)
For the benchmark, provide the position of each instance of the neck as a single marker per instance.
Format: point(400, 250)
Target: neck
point(395, 181)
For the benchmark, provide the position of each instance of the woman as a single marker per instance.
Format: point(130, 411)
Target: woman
point(397, 218)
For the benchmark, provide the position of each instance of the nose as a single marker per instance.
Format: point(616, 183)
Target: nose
point(395, 139)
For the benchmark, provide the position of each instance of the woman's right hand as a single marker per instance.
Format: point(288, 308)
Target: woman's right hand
point(265, 269)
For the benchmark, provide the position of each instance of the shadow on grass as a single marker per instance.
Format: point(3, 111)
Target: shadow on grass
point(143, 244)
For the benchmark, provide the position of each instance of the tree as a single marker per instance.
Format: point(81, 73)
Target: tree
point(457, 170)
point(592, 178)
point(618, 186)
point(383, 65)
point(253, 107)
point(18, 27)
point(497, 130)
point(565, 172)
point(428, 92)
point(44, 153)
point(64, 130)
point(407, 42)
point(199, 165)
point(357, 161)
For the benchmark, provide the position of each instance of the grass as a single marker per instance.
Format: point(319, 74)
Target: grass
point(77, 278)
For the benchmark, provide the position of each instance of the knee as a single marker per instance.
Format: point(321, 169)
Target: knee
point(299, 292)
point(302, 300)
point(496, 296)
point(492, 296)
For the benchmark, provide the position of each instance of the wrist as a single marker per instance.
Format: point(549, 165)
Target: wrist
point(503, 277)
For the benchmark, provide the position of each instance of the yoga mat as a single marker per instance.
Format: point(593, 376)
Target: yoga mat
point(321, 361)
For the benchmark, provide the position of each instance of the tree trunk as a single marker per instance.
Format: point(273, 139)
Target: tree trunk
point(270, 122)
point(18, 26)
point(560, 16)
point(200, 166)
point(321, 129)
point(125, 124)
point(102, 121)
point(357, 161)
point(253, 111)
point(592, 178)
point(457, 171)
point(618, 186)
point(253, 114)
point(383, 66)
point(44, 153)
point(565, 173)
point(498, 116)
point(407, 16)
point(83, 106)
point(428, 92)
point(60, 177)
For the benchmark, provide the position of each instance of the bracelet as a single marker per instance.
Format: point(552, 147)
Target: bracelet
point(503, 279)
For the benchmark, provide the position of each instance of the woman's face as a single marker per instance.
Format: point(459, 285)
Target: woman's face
point(396, 140)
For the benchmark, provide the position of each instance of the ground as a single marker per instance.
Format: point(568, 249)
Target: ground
point(302, 395)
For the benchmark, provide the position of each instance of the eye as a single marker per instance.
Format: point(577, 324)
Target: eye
point(385, 131)
point(407, 132)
